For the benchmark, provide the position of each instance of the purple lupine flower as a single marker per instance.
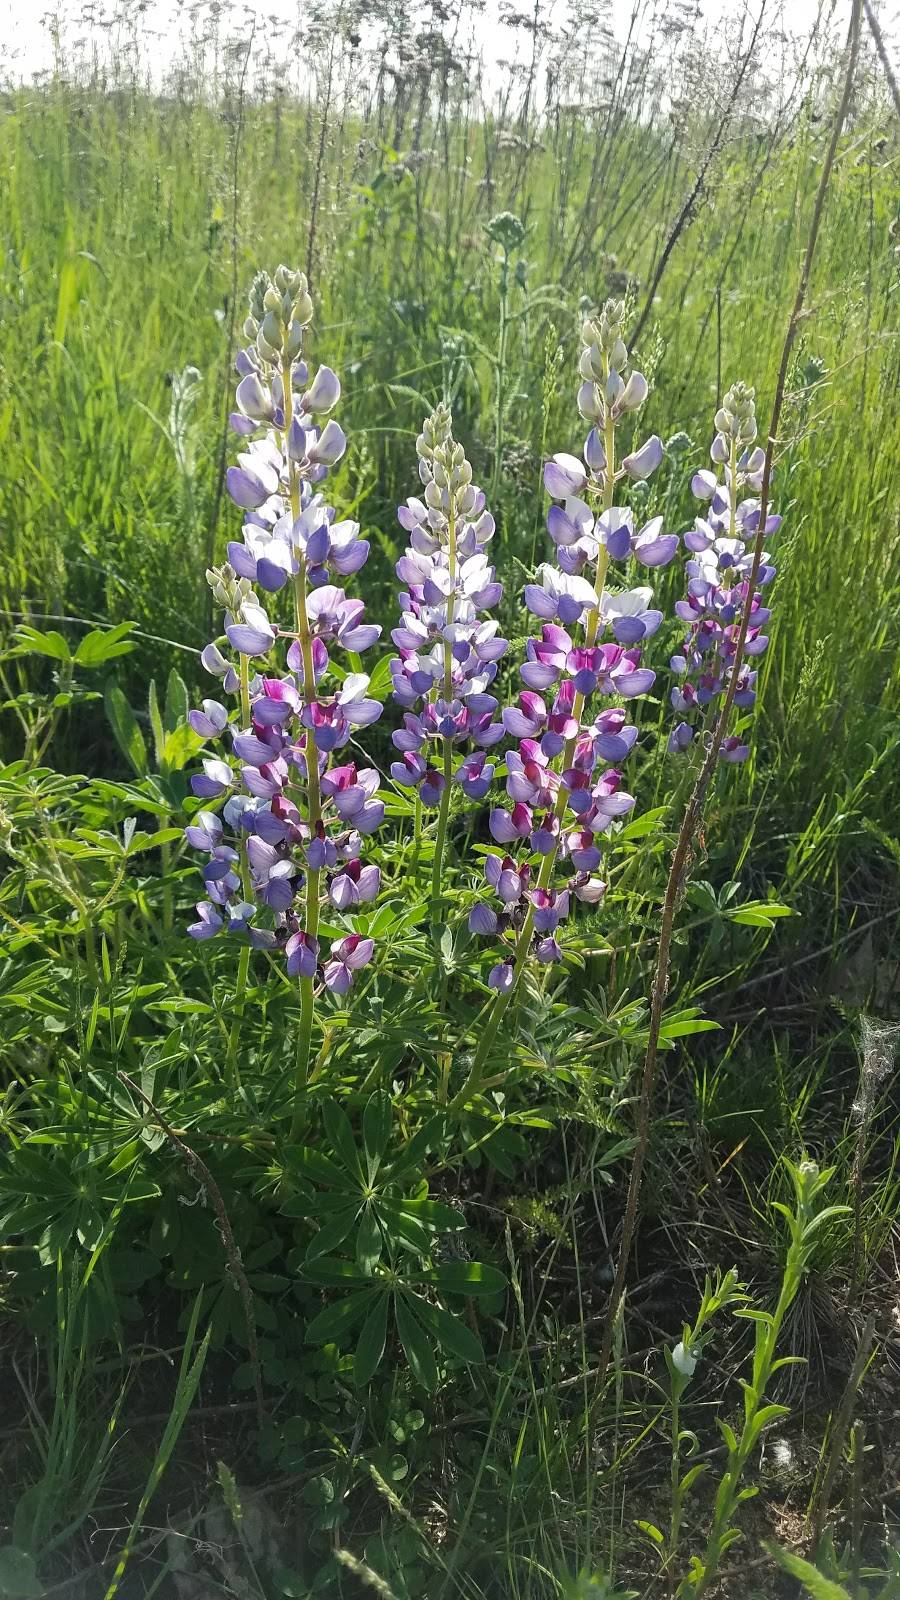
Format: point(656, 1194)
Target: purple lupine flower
point(720, 559)
point(563, 779)
point(289, 815)
point(348, 956)
point(447, 649)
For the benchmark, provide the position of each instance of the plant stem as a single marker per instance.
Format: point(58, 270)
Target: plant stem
point(313, 791)
point(440, 841)
point(690, 823)
point(232, 1073)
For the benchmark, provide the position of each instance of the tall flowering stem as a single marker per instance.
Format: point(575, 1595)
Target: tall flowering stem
point(693, 812)
point(560, 806)
point(718, 591)
point(290, 825)
point(448, 648)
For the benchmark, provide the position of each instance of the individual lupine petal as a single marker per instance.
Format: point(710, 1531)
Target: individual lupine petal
point(208, 923)
point(526, 720)
point(545, 834)
point(504, 878)
point(352, 700)
point(347, 957)
point(733, 749)
point(253, 635)
point(254, 398)
point(614, 739)
point(278, 889)
point(636, 391)
point(329, 446)
point(432, 787)
point(594, 452)
point(482, 919)
point(563, 527)
point(548, 949)
point(210, 720)
point(501, 977)
point(641, 463)
point(241, 425)
point(409, 771)
point(354, 885)
point(615, 530)
point(205, 832)
point(474, 775)
point(216, 779)
point(507, 826)
point(584, 852)
point(704, 484)
point(323, 393)
point(564, 475)
point(652, 548)
point(589, 890)
point(302, 952)
point(253, 482)
point(216, 664)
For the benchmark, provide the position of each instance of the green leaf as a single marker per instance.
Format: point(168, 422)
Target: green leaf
point(758, 913)
point(18, 1574)
point(332, 1233)
point(820, 1587)
point(340, 1137)
point(177, 702)
point(450, 1332)
point(31, 641)
point(103, 644)
point(418, 1351)
point(179, 747)
point(652, 1532)
point(124, 725)
point(368, 1243)
point(334, 1322)
point(159, 735)
point(463, 1277)
point(376, 1126)
point(370, 1347)
point(330, 1272)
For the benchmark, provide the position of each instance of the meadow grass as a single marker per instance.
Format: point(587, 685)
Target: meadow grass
point(131, 222)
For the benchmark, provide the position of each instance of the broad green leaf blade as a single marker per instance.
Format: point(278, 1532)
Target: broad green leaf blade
point(450, 1332)
point(463, 1277)
point(376, 1124)
point(415, 1343)
point(334, 1322)
point(370, 1348)
point(332, 1234)
point(815, 1582)
point(103, 644)
point(124, 725)
point(368, 1243)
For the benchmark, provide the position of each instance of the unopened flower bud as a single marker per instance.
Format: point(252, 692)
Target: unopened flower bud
point(636, 391)
point(589, 402)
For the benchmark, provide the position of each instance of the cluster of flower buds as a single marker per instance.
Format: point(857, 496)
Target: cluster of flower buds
point(720, 547)
point(448, 649)
point(564, 780)
point(289, 826)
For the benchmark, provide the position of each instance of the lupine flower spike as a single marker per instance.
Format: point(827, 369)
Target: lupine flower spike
point(290, 824)
point(721, 556)
point(564, 778)
point(448, 648)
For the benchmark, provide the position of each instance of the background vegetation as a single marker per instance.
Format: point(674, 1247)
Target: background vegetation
point(678, 172)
